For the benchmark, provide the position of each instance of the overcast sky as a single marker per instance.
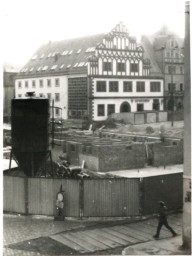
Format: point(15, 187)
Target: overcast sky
point(29, 23)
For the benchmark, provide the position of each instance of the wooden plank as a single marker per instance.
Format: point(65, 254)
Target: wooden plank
point(111, 237)
point(102, 238)
point(85, 236)
point(153, 228)
point(145, 230)
point(134, 230)
point(80, 242)
point(130, 240)
point(84, 242)
point(132, 233)
point(69, 243)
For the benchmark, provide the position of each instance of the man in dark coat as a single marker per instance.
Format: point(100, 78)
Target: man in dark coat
point(163, 220)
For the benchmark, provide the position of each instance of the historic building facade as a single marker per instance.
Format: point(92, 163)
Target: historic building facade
point(169, 53)
point(96, 76)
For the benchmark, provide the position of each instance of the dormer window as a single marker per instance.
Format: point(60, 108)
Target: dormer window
point(39, 68)
point(53, 67)
point(49, 55)
point(45, 68)
point(65, 53)
point(62, 66)
point(31, 69)
point(78, 51)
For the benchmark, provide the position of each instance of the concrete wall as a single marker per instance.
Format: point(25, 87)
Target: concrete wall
point(127, 117)
point(151, 118)
point(118, 157)
point(73, 152)
point(167, 154)
point(162, 116)
point(177, 116)
point(91, 162)
point(139, 118)
point(144, 117)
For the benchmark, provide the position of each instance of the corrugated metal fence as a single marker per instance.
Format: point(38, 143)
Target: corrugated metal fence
point(119, 197)
point(111, 197)
point(98, 197)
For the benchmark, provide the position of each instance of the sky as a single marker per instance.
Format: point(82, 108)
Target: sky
point(29, 23)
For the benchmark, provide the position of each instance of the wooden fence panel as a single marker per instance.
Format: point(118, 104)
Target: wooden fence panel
point(42, 196)
point(111, 197)
point(167, 188)
point(13, 194)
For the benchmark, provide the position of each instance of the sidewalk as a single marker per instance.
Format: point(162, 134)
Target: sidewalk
point(171, 246)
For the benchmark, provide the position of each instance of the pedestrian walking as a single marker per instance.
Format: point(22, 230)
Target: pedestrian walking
point(162, 214)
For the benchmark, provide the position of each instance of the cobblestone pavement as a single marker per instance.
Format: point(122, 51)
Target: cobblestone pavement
point(22, 228)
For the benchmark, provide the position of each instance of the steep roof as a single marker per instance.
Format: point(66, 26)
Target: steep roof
point(160, 38)
point(150, 54)
point(61, 56)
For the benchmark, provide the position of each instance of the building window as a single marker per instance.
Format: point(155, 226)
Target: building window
point(171, 87)
point(113, 86)
point(57, 111)
point(33, 84)
point(155, 87)
point(168, 55)
point(134, 67)
point(49, 82)
point(156, 104)
point(57, 97)
point(171, 69)
point(181, 70)
point(181, 87)
point(41, 83)
point(26, 84)
point(73, 147)
point(101, 86)
point(127, 86)
point(120, 67)
point(101, 110)
point(140, 86)
point(140, 107)
point(177, 55)
point(19, 85)
point(49, 96)
point(110, 109)
point(107, 66)
point(57, 82)
point(19, 95)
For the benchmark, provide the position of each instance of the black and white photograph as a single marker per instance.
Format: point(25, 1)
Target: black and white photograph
point(96, 120)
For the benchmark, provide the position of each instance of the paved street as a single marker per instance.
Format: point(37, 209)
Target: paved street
point(29, 236)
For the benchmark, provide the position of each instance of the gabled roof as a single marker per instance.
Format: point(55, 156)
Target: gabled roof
point(62, 56)
point(160, 38)
point(150, 54)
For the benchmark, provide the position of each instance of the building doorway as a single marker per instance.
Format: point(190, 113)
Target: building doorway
point(125, 107)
